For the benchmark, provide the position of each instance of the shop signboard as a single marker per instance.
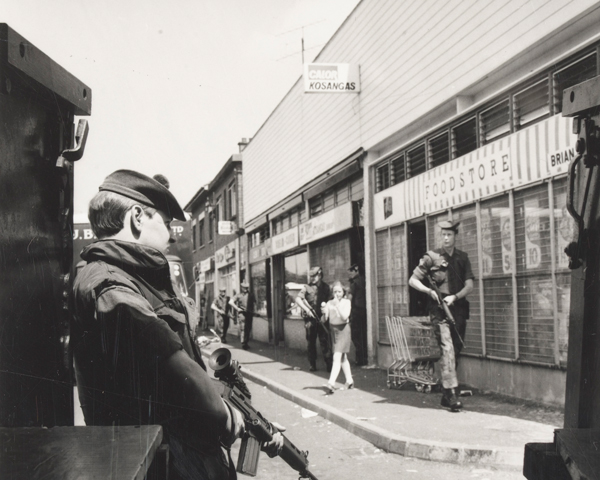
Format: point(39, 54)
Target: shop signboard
point(226, 255)
point(326, 224)
point(285, 241)
point(331, 78)
point(206, 265)
point(525, 157)
point(226, 228)
point(260, 252)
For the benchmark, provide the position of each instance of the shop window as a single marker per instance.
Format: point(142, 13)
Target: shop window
point(328, 200)
point(572, 74)
point(496, 227)
point(564, 231)
point(494, 123)
point(532, 230)
point(415, 161)
point(531, 104)
point(399, 271)
point(382, 177)
point(464, 138)
point(295, 275)
point(439, 150)
point(384, 282)
point(294, 218)
point(258, 275)
point(398, 170)
point(333, 256)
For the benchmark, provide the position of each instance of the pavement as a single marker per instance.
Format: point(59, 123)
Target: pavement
point(491, 430)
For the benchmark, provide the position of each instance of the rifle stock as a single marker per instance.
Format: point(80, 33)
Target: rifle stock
point(258, 429)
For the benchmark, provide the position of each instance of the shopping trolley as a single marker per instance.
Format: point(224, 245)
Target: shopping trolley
point(415, 349)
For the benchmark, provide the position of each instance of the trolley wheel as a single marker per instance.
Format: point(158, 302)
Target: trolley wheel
point(418, 387)
point(427, 389)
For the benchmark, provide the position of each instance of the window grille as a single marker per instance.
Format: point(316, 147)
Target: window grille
point(464, 138)
point(328, 200)
point(398, 170)
point(572, 74)
point(315, 206)
point(342, 194)
point(494, 123)
point(383, 177)
point(531, 104)
point(439, 150)
point(415, 161)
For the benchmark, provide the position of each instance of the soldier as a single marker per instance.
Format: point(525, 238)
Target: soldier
point(310, 299)
point(219, 306)
point(135, 360)
point(450, 270)
point(244, 303)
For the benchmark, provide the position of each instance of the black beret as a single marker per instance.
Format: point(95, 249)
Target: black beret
point(143, 189)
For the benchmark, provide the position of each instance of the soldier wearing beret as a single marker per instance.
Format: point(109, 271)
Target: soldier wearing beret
point(310, 298)
point(135, 359)
point(450, 268)
point(243, 303)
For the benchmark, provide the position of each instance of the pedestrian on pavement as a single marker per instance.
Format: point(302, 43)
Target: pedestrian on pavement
point(337, 312)
point(135, 359)
point(309, 299)
point(450, 270)
point(243, 303)
point(358, 317)
point(219, 306)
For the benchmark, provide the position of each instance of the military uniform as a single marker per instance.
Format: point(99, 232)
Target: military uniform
point(246, 302)
point(315, 295)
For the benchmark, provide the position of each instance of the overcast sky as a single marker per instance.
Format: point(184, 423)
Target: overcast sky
point(175, 84)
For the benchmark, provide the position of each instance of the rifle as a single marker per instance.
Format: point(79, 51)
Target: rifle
point(258, 429)
point(445, 307)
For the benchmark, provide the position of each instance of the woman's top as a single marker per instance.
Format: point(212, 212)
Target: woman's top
point(338, 315)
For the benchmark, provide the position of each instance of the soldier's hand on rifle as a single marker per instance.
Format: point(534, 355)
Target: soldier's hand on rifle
point(273, 448)
point(433, 295)
point(235, 425)
point(450, 299)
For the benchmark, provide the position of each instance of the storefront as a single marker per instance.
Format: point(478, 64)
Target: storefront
point(260, 283)
point(510, 199)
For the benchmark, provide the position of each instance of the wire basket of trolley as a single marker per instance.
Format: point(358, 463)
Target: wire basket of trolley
point(415, 350)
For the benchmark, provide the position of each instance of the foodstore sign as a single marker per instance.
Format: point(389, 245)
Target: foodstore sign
point(331, 78)
point(284, 241)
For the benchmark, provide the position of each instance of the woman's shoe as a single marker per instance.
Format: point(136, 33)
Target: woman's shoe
point(349, 386)
point(330, 388)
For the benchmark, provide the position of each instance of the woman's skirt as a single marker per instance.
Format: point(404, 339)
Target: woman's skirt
point(341, 338)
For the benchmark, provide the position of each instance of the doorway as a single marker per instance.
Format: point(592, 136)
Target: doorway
point(417, 246)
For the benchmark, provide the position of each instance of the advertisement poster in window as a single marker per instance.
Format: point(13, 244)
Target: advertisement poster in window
point(541, 298)
point(505, 231)
point(487, 262)
point(533, 251)
point(565, 230)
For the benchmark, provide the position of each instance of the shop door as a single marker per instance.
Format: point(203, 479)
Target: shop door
point(417, 246)
point(278, 297)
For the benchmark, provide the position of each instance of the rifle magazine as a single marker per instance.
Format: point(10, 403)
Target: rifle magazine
point(248, 456)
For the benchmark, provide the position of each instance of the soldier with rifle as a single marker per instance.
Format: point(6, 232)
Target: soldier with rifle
point(310, 299)
point(449, 279)
point(243, 303)
point(135, 359)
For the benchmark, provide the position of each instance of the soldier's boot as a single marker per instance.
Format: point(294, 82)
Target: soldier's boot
point(449, 400)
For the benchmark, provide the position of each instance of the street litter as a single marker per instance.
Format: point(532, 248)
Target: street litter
point(308, 413)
